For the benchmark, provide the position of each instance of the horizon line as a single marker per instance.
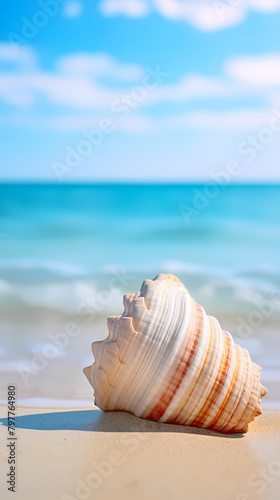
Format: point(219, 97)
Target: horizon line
point(118, 182)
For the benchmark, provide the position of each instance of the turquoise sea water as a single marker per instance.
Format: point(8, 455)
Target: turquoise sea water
point(69, 253)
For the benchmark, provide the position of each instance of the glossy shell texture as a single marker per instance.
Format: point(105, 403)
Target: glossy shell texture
point(165, 359)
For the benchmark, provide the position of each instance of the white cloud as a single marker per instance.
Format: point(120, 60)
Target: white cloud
point(73, 9)
point(190, 87)
point(76, 84)
point(265, 5)
point(60, 89)
point(206, 15)
point(81, 88)
point(131, 8)
point(92, 81)
point(97, 65)
point(226, 121)
point(22, 57)
point(255, 71)
point(12, 92)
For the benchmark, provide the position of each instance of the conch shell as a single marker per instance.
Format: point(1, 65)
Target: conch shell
point(166, 360)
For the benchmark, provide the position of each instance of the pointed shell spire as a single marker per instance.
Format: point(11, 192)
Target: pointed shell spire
point(166, 360)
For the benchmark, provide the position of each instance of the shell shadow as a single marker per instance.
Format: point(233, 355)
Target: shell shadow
point(97, 421)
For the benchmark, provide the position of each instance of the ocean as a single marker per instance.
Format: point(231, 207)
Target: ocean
point(69, 252)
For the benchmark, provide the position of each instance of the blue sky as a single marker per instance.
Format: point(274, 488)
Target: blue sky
point(140, 90)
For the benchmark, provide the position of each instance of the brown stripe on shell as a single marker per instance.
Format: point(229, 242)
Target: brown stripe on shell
point(238, 411)
point(217, 386)
point(227, 404)
point(176, 419)
point(180, 370)
point(237, 386)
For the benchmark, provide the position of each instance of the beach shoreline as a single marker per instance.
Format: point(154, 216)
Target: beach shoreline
point(84, 453)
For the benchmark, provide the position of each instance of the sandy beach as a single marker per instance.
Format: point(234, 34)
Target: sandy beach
point(86, 454)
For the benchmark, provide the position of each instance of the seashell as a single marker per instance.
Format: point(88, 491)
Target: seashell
point(165, 359)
